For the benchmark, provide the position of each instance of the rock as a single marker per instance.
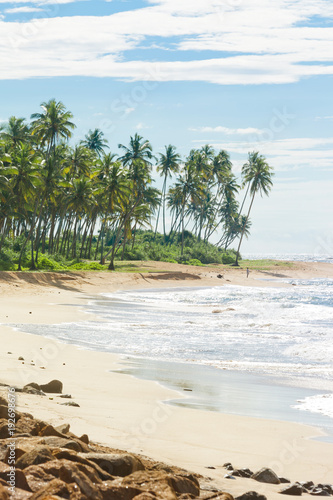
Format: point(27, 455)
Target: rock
point(75, 457)
point(251, 495)
point(326, 487)
point(70, 403)
point(84, 438)
point(37, 456)
point(293, 489)
point(63, 429)
point(33, 389)
point(306, 484)
point(4, 428)
point(284, 480)
point(319, 492)
point(49, 430)
point(65, 396)
point(21, 358)
point(266, 475)
point(242, 473)
point(3, 401)
point(57, 442)
point(115, 464)
point(229, 476)
point(56, 488)
point(162, 484)
point(227, 464)
point(3, 411)
point(20, 479)
point(185, 483)
point(111, 492)
point(3, 493)
point(71, 474)
point(55, 386)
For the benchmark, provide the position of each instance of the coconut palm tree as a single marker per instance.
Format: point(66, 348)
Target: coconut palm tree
point(95, 141)
point(258, 175)
point(52, 124)
point(168, 165)
point(16, 131)
point(138, 149)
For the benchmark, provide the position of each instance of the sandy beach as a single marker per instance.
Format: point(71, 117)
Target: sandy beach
point(127, 413)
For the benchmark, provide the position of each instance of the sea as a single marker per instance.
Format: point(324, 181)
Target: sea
point(265, 352)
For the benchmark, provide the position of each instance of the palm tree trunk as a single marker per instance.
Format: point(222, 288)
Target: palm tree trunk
point(243, 231)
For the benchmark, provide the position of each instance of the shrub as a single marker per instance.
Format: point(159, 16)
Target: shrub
point(194, 262)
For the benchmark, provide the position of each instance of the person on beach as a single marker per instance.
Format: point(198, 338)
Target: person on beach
point(247, 272)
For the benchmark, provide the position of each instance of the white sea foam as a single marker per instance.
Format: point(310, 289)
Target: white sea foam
point(321, 403)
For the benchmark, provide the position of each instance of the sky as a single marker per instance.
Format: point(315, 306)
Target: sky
point(241, 75)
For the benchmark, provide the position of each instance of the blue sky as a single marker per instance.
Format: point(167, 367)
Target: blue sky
point(241, 75)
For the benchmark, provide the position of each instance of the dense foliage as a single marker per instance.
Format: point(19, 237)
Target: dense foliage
point(62, 203)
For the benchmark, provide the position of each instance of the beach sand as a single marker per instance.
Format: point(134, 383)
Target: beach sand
point(124, 412)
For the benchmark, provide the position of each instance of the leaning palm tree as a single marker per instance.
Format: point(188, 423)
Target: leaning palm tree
point(95, 141)
point(52, 124)
point(168, 164)
point(257, 174)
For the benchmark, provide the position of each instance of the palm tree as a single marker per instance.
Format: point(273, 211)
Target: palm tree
point(52, 124)
point(168, 165)
point(258, 175)
point(16, 131)
point(95, 141)
point(138, 149)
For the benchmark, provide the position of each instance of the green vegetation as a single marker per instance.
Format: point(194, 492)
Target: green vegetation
point(77, 206)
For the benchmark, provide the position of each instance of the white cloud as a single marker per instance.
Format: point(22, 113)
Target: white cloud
point(259, 41)
point(22, 10)
point(283, 154)
point(229, 131)
point(141, 126)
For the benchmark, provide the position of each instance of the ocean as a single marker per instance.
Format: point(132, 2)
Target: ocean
point(279, 337)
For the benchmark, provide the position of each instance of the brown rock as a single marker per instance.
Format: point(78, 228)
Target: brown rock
point(84, 438)
point(63, 428)
point(71, 474)
point(20, 479)
point(162, 484)
point(251, 495)
point(27, 425)
point(111, 492)
point(3, 401)
point(266, 475)
point(55, 487)
point(55, 386)
point(74, 457)
point(3, 493)
point(4, 434)
point(4, 411)
point(49, 430)
point(58, 442)
point(116, 464)
point(39, 455)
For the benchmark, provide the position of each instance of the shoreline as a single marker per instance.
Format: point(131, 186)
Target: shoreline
point(129, 413)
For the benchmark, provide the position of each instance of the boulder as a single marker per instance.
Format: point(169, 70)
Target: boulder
point(49, 430)
point(63, 428)
point(20, 479)
point(319, 492)
point(115, 464)
point(56, 488)
point(293, 489)
point(162, 484)
point(251, 495)
point(39, 455)
point(58, 442)
point(33, 389)
point(3, 493)
point(266, 475)
point(55, 386)
point(71, 474)
point(4, 434)
point(75, 457)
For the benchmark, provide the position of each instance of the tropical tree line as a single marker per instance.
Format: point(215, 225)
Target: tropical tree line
point(62, 198)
